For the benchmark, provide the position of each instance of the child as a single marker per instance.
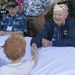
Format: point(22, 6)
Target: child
point(15, 49)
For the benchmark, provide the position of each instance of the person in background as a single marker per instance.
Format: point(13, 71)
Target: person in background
point(3, 8)
point(3, 3)
point(15, 49)
point(58, 31)
point(20, 4)
point(14, 22)
point(71, 6)
point(35, 11)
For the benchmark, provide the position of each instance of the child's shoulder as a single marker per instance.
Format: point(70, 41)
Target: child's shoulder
point(29, 62)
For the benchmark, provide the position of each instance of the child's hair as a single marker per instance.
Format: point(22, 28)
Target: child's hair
point(14, 47)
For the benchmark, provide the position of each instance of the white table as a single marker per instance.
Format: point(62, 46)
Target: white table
point(51, 60)
point(55, 61)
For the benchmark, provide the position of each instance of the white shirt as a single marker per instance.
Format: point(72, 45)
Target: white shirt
point(22, 68)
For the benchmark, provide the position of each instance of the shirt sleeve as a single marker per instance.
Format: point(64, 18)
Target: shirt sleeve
point(45, 33)
point(30, 64)
point(47, 3)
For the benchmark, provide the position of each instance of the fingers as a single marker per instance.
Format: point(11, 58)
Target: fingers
point(34, 51)
point(34, 48)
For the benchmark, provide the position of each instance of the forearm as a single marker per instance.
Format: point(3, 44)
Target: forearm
point(8, 33)
point(46, 10)
point(35, 57)
point(17, 32)
point(36, 41)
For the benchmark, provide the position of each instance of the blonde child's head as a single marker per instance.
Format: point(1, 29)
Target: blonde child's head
point(15, 47)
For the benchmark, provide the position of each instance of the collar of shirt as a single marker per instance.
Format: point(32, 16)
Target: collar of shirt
point(17, 14)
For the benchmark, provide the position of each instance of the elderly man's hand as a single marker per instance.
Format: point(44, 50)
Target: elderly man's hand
point(46, 42)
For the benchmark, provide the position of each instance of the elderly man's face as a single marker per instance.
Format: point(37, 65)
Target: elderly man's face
point(59, 17)
point(13, 11)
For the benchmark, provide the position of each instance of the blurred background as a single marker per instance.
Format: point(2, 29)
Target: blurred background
point(71, 4)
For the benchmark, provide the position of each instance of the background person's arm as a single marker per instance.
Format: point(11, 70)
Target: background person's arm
point(8, 33)
point(48, 5)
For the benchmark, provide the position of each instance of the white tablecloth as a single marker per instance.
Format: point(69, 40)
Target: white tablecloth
point(55, 61)
point(51, 60)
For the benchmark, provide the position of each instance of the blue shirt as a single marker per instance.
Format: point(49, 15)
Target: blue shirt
point(12, 24)
point(36, 7)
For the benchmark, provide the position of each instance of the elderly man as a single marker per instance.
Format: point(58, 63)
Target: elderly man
point(14, 22)
point(57, 32)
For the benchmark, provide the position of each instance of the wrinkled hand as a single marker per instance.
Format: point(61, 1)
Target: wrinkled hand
point(46, 42)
